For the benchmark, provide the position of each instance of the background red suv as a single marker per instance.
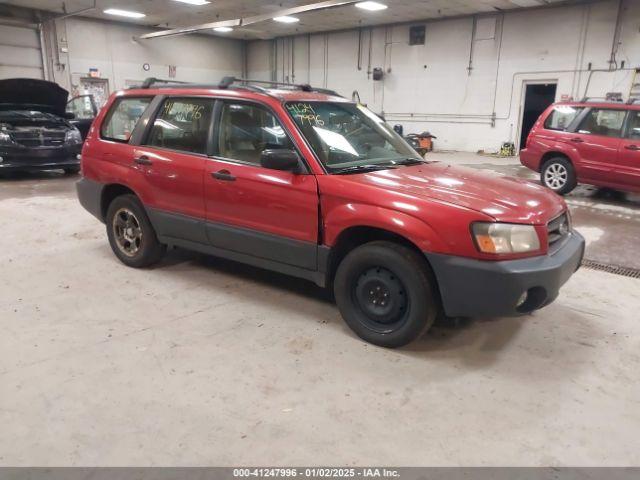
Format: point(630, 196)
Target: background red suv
point(586, 142)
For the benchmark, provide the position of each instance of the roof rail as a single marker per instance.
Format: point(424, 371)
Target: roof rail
point(227, 82)
point(601, 99)
point(149, 82)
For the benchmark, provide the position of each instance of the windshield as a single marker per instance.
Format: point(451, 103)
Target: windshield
point(350, 138)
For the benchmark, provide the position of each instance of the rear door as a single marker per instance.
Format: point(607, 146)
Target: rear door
point(628, 169)
point(170, 161)
point(597, 140)
point(265, 213)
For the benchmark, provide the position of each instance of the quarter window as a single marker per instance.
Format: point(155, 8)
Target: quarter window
point(602, 121)
point(182, 124)
point(247, 130)
point(123, 118)
point(561, 117)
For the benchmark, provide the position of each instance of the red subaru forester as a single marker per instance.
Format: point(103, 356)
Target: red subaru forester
point(586, 142)
point(303, 181)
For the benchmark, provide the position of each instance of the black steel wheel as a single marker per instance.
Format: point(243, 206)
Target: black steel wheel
point(386, 294)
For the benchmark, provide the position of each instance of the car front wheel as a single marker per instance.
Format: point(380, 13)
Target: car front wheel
point(131, 235)
point(385, 293)
point(559, 175)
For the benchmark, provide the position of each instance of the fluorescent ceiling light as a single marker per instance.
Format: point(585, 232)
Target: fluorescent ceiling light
point(371, 6)
point(223, 29)
point(124, 13)
point(193, 2)
point(286, 19)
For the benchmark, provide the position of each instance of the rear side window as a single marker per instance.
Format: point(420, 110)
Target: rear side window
point(561, 117)
point(603, 121)
point(123, 117)
point(182, 124)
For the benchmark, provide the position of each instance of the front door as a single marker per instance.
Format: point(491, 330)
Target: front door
point(628, 170)
point(171, 162)
point(84, 111)
point(264, 213)
point(597, 140)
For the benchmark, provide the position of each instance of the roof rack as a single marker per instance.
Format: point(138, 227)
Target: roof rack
point(601, 99)
point(151, 81)
point(305, 87)
point(228, 82)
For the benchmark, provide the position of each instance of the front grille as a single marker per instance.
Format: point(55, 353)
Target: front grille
point(558, 229)
point(39, 137)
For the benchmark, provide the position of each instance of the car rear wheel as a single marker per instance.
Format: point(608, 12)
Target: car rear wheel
point(559, 175)
point(131, 235)
point(385, 293)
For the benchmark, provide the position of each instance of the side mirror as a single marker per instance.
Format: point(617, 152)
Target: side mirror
point(69, 115)
point(277, 159)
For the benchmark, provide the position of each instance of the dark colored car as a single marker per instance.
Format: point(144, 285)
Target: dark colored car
point(586, 142)
point(307, 183)
point(35, 129)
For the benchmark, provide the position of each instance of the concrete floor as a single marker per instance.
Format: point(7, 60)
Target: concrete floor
point(205, 362)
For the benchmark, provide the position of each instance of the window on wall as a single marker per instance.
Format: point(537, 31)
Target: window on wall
point(183, 125)
point(417, 35)
point(603, 121)
point(123, 118)
point(247, 130)
point(561, 117)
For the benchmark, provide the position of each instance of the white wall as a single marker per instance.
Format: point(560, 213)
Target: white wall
point(553, 44)
point(111, 48)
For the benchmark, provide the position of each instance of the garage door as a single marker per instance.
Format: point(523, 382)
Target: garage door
point(20, 54)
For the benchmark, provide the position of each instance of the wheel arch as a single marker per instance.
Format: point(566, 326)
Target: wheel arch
point(553, 154)
point(358, 235)
point(109, 193)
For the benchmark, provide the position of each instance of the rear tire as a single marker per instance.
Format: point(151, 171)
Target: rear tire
point(131, 235)
point(558, 175)
point(385, 293)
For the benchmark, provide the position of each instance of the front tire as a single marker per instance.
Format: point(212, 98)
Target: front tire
point(131, 235)
point(385, 293)
point(559, 175)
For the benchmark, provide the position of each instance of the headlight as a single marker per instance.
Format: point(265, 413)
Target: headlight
point(505, 238)
point(73, 136)
point(5, 138)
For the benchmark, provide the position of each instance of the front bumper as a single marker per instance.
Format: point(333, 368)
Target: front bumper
point(39, 158)
point(473, 288)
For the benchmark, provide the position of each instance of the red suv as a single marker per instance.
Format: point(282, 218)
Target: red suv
point(307, 183)
point(585, 142)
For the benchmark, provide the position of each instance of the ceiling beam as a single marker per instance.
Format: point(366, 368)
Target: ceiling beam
point(239, 22)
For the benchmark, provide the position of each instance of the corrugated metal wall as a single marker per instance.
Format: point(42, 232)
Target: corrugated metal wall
point(20, 52)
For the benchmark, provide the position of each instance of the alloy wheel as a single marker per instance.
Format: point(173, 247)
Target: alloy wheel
point(127, 232)
point(556, 176)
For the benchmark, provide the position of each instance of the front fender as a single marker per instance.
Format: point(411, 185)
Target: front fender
point(413, 229)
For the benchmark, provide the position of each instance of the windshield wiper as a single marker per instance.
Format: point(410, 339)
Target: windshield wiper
point(409, 161)
point(360, 169)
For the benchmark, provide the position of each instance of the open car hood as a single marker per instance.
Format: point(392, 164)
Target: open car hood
point(32, 94)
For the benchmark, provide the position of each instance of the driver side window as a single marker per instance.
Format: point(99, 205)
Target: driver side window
point(183, 125)
point(247, 130)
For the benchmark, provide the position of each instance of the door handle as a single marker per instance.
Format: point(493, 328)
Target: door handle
point(577, 140)
point(224, 175)
point(632, 147)
point(143, 160)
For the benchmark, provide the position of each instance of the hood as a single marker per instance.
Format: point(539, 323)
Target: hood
point(506, 199)
point(32, 94)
